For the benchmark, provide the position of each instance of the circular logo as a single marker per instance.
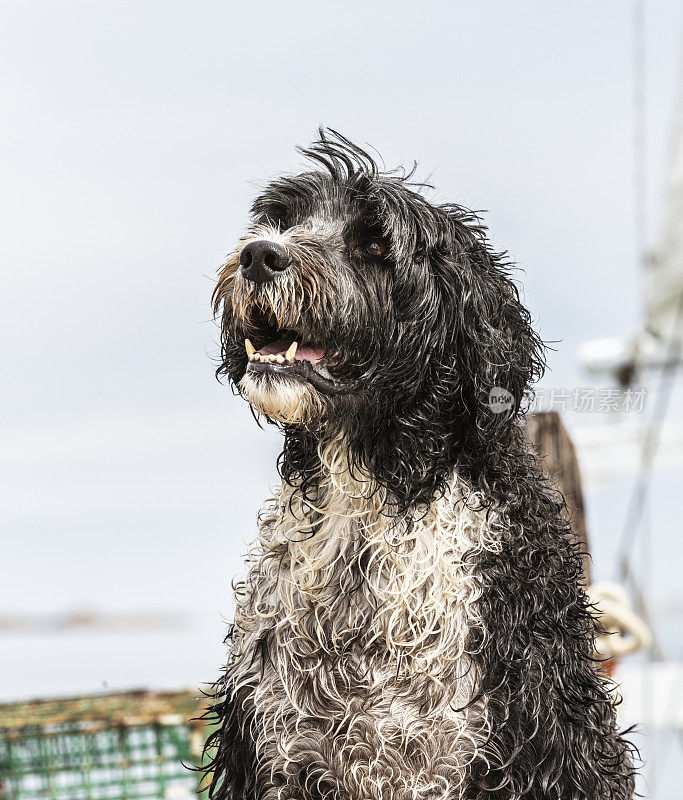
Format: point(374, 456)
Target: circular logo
point(501, 401)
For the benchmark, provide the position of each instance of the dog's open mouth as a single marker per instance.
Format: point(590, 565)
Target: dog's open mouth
point(291, 355)
point(285, 350)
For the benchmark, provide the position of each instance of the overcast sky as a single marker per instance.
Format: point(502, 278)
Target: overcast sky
point(135, 135)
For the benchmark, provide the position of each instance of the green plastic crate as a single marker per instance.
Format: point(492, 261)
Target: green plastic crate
point(116, 746)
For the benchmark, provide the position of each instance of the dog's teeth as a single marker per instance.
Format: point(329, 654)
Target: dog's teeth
point(289, 355)
point(249, 347)
point(280, 359)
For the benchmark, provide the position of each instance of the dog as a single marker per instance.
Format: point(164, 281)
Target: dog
point(412, 623)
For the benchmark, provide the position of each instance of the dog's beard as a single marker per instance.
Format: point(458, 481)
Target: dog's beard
point(281, 399)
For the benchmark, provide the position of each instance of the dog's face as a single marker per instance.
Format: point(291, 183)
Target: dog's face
point(354, 306)
point(310, 296)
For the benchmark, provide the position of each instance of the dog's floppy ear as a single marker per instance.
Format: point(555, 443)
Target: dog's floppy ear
point(479, 355)
point(495, 351)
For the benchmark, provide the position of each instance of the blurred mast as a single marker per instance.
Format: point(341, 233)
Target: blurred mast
point(640, 183)
point(663, 271)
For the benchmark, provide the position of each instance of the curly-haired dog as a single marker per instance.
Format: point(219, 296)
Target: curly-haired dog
point(412, 624)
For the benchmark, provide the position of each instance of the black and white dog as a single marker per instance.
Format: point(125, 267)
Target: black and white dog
point(412, 624)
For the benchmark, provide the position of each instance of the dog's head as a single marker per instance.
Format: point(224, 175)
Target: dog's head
point(355, 308)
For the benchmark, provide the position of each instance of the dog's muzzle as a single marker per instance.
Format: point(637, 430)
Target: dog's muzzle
point(262, 260)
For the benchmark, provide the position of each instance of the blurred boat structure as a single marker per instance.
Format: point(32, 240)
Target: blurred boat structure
point(652, 356)
point(657, 345)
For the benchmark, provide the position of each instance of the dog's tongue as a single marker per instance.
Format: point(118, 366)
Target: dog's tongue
point(304, 352)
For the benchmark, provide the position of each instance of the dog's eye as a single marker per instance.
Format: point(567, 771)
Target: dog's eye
point(376, 247)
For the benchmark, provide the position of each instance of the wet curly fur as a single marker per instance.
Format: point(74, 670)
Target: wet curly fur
point(412, 623)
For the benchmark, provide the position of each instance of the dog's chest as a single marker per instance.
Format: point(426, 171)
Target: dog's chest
point(368, 661)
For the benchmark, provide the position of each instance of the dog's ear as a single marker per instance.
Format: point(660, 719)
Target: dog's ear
point(495, 353)
point(464, 323)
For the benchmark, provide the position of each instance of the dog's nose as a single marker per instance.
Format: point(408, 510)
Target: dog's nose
point(262, 260)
